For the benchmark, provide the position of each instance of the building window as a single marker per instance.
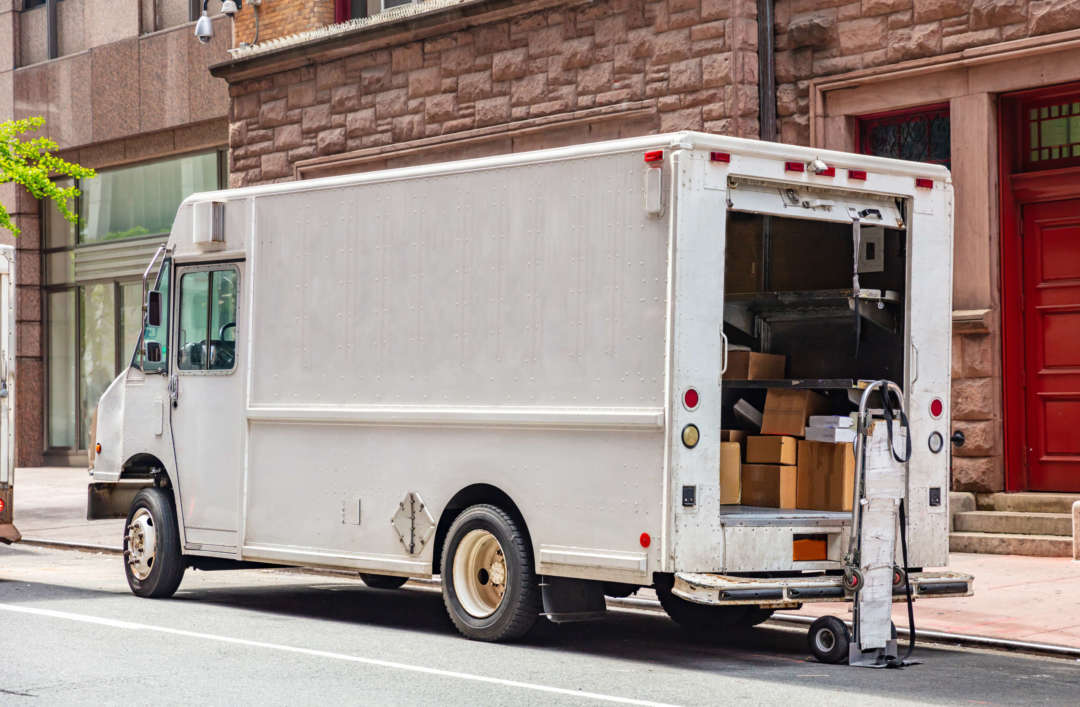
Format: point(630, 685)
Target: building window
point(919, 134)
point(345, 10)
point(1052, 132)
point(93, 280)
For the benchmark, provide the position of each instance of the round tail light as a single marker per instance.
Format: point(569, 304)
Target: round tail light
point(937, 407)
point(691, 399)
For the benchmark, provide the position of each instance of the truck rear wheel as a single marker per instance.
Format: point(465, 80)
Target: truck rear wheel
point(152, 560)
point(489, 587)
point(383, 581)
point(700, 620)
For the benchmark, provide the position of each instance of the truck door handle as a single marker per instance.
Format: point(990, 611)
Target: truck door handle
point(174, 392)
point(723, 352)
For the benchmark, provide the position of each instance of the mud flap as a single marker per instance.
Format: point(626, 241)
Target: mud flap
point(567, 599)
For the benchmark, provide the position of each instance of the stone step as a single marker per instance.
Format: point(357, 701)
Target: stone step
point(1014, 522)
point(1011, 544)
point(1027, 502)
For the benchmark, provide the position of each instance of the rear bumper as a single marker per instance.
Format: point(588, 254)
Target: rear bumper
point(789, 592)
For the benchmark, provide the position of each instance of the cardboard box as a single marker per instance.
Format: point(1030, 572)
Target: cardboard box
point(733, 436)
point(771, 449)
point(751, 366)
point(730, 472)
point(786, 411)
point(826, 476)
point(769, 485)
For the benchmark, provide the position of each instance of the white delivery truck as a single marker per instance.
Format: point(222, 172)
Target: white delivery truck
point(508, 372)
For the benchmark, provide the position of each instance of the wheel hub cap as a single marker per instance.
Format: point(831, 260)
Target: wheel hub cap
point(140, 544)
point(480, 573)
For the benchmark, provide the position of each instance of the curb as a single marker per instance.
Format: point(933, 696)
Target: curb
point(65, 545)
point(653, 605)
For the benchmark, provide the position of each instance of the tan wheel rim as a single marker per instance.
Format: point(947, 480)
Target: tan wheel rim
point(141, 546)
point(480, 573)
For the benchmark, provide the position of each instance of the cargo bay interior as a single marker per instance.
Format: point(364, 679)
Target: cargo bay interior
point(796, 349)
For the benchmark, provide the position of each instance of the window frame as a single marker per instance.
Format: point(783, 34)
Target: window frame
point(864, 125)
point(180, 270)
point(1065, 94)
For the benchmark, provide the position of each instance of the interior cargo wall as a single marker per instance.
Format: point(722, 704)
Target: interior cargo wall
point(539, 284)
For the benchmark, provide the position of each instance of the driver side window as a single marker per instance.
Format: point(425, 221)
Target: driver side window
point(207, 326)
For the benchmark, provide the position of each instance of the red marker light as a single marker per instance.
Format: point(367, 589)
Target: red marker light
point(936, 408)
point(719, 157)
point(2, 510)
point(654, 158)
point(97, 448)
point(829, 171)
point(924, 183)
point(794, 167)
point(859, 174)
point(645, 540)
point(690, 399)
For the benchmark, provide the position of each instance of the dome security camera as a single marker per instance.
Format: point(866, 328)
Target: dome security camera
point(229, 8)
point(204, 28)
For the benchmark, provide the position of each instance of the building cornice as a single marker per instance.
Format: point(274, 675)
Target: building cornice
point(348, 39)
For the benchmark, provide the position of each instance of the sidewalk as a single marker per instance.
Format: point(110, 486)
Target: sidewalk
point(1034, 599)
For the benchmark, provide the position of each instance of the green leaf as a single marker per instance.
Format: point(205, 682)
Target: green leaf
point(32, 164)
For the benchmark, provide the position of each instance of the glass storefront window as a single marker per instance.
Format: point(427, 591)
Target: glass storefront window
point(61, 361)
point(59, 232)
point(92, 276)
point(141, 200)
point(130, 318)
point(97, 314)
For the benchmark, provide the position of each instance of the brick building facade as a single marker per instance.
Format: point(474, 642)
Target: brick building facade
point(447, 79)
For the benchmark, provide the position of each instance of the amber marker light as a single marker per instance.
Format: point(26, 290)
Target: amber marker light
point(690, 436)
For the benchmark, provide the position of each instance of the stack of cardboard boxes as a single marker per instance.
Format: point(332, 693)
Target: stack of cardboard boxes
point(782, 469)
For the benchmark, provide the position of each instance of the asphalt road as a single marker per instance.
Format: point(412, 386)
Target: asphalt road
point(71, 633)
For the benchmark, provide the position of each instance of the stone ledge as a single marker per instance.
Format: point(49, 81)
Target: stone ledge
point(972, 321)
point(349, 161)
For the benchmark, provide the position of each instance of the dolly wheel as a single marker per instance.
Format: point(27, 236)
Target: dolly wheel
point(829, 640)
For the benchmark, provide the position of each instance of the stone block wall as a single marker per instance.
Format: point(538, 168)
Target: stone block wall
point(976, 411)
point(693, 61)
point(816, 38)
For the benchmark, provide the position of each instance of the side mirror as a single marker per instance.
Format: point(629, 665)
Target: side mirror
point(153, 352)
point(153, 308)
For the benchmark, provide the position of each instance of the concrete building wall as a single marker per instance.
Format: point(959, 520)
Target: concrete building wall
point(279, 19)
point(115, 96)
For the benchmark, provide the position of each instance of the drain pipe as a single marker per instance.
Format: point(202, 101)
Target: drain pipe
point(766, 52)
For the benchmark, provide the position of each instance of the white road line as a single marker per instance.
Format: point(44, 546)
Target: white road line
point(132, 626)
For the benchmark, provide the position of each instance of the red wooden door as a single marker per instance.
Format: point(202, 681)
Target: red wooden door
point(1051, 311)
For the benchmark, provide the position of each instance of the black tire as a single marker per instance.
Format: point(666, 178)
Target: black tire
point(755, 615)
point(383, 581)
point(519, 605)
point(700, 620)
point(829, 639)
point(154, 506)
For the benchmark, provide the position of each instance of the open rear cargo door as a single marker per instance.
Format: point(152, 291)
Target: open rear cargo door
point(759, 196)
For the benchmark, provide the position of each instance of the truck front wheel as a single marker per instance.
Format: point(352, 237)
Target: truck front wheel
point(152, 560)
point(489, 587)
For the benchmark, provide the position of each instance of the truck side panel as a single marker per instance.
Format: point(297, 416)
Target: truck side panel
point(452, 330)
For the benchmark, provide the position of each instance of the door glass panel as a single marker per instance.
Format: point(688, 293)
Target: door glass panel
point(194, 297)
point(61, 308)
point(223, 320)
point(160, 334)
point(98, 349)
